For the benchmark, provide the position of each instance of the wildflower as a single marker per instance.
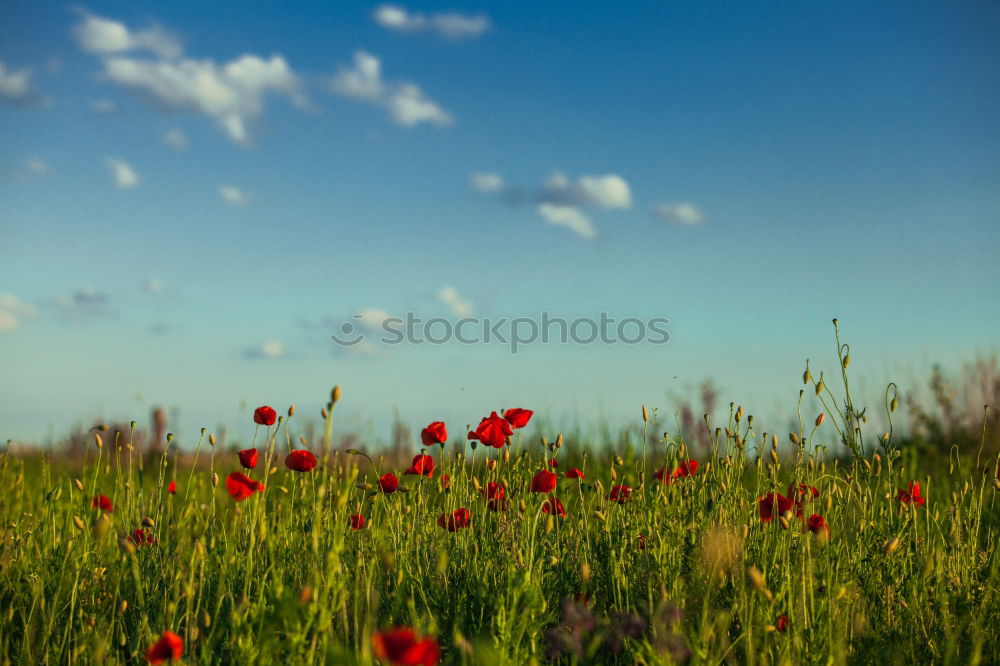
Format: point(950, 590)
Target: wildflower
point(817, 524)
point(357, 522)
point(620, 494)
point(782, 623)
point(459, 519)
point(248, 458)
point(401, 647)
point(300, 460)
point(554, 506)
point(543, 482)
point(388, 483)
point(801, 493)
point(685, 469)
point(434, 433)
point(492, 431)
point(767, 504)
point(912, 496)
point(172, 488)
point(170, 647)
point(640, 541)
point(142, 537)
point(103, 503)
point(240, 486)
point(517, 417)
point(574, 473)
point(422, 465)
point(553, 463)
point(494, 494)
point(264, 416)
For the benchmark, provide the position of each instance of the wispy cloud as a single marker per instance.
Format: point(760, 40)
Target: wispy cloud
point(232, 93)
point(122, 173)
point(15, 86)
point(682, 213)
point(233, 195)
point(84, 303)
point(459, 306)
point(560, 200)
point(406, 102)
point(104, 106)
point(450, 25)
point(176, 140)
point(12, 311)
point(271, 349)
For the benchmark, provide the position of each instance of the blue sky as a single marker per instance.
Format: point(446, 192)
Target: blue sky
point(192, 197)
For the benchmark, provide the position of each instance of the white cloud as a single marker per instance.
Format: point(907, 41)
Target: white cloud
point(486, 182)
point(232, 93)
point(233, 195)
point(84, 303)
point(122, 173)
point(15, 85)
point(450, 25)
point(268, 349)
point(680, 213)
point(372, 317)
point(104, 106)
point(569, 217)
point(406, 102)
point(105, 36)
point(176, 140)
point(610, 191)
point(459, 306)
point(12, 311)
point(36, 166)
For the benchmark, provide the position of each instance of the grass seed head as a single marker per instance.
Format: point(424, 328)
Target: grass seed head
point(78, 484)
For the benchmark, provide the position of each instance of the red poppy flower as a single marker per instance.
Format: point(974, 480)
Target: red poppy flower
point(434, 433)
point(544, 481)
point(817, 524)
point(170, 647)
point(494, 494)
point(782, 623)
point(771, 501)
point(517, 417)
point(553, 463)
point(574, 473)
point(103, 503)
point(401, 647)
point(554, 506)
point(141, 537)
point(641, 541)
point(388, 483)
point(913, 496)
point(356, 522)
point(240, 486)
point(445, 481)
point(248, 458)
point(422, 465)
point(492, 431)
point(802, 493)
point(300, 460)
point(264, 416)
point(620, 494)
point(172, 488)
point(686, 469)
point(459, 519)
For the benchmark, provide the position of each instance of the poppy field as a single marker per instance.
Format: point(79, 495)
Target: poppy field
point(831, 543)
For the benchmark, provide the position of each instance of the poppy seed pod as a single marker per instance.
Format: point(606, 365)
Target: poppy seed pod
point(819, 387)
point(806, 376)
point(335, 394)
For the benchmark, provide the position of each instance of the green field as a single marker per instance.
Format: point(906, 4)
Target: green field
point(729, 560)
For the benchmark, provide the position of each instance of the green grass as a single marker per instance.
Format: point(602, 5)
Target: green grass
point(282, 578)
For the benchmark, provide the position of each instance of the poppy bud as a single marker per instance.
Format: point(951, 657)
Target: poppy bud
point(215, 480)
point(584, 572)
point(335, 394)
point(522, 506)
point(795, 438)
point(364, 486)
point(475, 483)
point(819, 387)
point(645, 414)
point(868, 465)
point(614, 474)
point(893, 405)
point(550, 524)
point(98, 440)
point(718, 433)
point(211, 438)
point(774, 441)
point(729, 433)
point(100, 527)
point(206, 619)
point(819, 419)
point(750, 420)
point(491, 464)
point(890, 545)
point(744, 531)
point(729, 460)
point(618, 460)
point(552, 561)
point(132, 425)
point(996, 484)
point(784, 522)
point(774, 456)
point(559, 441)
point(806, 376)
point(323, 413)
point(599, 515)
point(78, 484)
point(291, 411)
point(148, 522)
point(78, 522)
point(739, 413)
point(506, 455)
point(847, 360)
point(122, 607)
